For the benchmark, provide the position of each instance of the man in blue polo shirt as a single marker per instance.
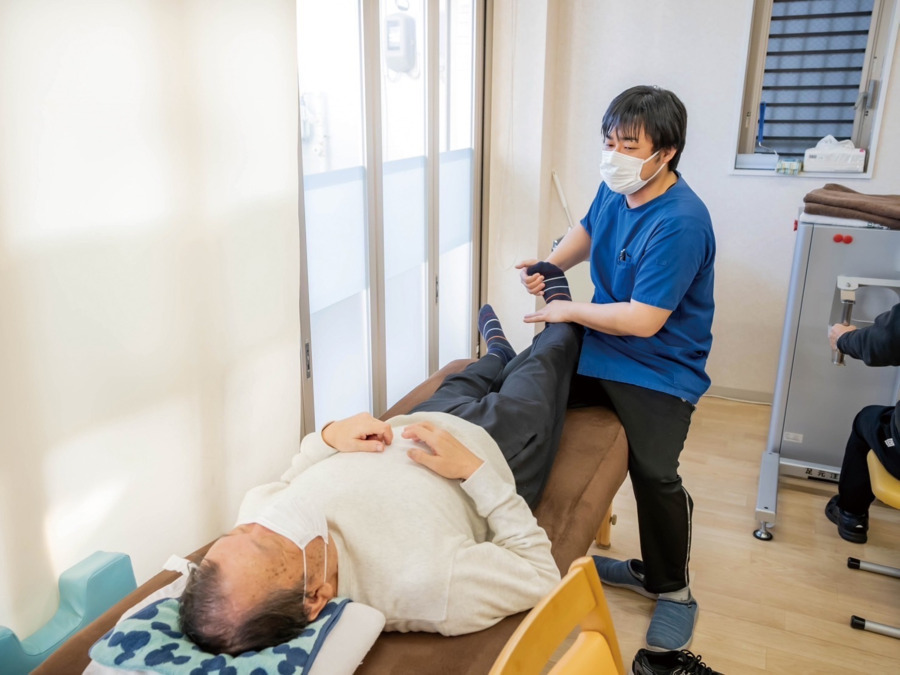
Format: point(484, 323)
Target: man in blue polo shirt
point(651, 247)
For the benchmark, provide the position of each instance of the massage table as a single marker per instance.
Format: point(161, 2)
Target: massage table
point(575, 510)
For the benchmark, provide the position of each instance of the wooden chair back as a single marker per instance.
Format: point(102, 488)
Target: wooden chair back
point(577, 600)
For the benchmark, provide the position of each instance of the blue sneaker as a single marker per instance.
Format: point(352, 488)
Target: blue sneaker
point(623, 573)
point(672, 625)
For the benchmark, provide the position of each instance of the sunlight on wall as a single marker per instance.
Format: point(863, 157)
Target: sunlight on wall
point(262, 422)
point(148, 279)
point(86, 132)
point(244, 106)
point(116, 470)
point(110, 323)
point(73, 520)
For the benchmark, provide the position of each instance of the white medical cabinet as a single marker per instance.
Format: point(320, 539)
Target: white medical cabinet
point(816, 399)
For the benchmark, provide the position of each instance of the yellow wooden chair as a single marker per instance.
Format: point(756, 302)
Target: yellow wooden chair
point(578, 599)
point(887, 489)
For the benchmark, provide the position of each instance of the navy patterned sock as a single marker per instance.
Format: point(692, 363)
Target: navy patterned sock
point(492, 332)
point(555, 285)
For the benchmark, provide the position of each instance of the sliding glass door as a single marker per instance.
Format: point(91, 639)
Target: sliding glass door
point(404, 94)
point(335, 207)
point(459, 176)
point(388, 101)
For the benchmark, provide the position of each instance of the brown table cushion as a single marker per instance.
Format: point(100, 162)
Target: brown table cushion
point(589, 468)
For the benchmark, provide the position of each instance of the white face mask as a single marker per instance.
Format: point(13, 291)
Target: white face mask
point(298, 520)
point(622, 173)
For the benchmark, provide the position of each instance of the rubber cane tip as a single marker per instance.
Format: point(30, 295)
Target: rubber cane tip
point(857, 622)
point(853, 563)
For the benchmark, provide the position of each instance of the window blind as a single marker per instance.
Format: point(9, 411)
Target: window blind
point(813, 68)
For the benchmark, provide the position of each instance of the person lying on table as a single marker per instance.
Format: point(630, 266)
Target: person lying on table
point(424, 517)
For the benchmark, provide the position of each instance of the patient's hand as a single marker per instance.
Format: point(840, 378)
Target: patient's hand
point(533, 283)
point(360, 433)
point(449, 458)
point(835, 331)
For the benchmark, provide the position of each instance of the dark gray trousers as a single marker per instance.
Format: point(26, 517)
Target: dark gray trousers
point(871, 431)
point(522, 405)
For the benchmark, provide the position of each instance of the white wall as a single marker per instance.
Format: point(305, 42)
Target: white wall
point(149, 359)
point(696, 48)
point(519, 147)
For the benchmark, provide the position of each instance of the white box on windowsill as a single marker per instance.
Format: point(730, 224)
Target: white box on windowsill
point(845, 160)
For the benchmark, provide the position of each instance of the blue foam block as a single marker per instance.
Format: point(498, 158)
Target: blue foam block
point(86, 590)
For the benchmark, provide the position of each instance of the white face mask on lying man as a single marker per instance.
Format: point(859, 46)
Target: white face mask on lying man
point(296, 519)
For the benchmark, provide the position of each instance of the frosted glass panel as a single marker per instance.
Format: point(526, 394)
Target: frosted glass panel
point(407, 358)
point(334, 184)
point(455, 198)
point(405, 223)
point(404, 271)
point(455, 313)
point(336, 261)
point(455, 282)
point(330, 61)
point(457, 142)
point(404, 215)
point(341, 359)
point(457, 83)
point(403, 79)
point(335, 236)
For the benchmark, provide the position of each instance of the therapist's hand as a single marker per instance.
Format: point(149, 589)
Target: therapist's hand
point(533, 283)
point(360, 433)
point(553, 312)
point(836, 331)
point(448, 457)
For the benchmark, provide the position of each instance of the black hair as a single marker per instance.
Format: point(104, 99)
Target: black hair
point(203, 615)
point(657, 112)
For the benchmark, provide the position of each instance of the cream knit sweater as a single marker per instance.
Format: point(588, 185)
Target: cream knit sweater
point(432, 554)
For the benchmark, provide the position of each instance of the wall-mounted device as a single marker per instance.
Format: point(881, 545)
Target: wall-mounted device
point(400, 42)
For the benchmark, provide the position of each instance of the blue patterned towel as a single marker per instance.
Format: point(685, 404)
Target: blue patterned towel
point(151, 639)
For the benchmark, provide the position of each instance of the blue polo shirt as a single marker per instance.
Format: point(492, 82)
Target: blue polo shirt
point(660, 254)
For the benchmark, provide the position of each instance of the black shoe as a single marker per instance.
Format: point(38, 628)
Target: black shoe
point(669, 663)
point(851, 527)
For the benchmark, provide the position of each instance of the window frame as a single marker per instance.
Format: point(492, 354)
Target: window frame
point(868, 120)
point(370, 36)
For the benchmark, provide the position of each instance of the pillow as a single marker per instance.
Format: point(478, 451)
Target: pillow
point(151, 640)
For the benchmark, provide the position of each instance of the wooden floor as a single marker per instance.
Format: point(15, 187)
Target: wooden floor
point(781, 606)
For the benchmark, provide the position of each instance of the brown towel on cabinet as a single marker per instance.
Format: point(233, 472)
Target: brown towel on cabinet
point(842, 202)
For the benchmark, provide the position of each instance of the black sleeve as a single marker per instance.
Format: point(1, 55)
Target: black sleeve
point(878, 344)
